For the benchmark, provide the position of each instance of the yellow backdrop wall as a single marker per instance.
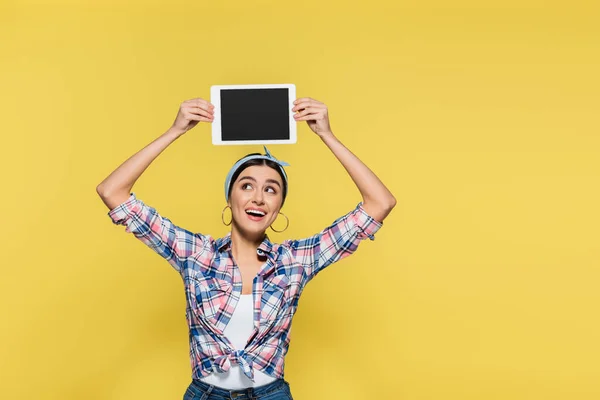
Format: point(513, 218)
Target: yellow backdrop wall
point(481, 117)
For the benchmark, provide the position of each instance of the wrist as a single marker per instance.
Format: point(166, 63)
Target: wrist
point(175, 132)
point(326, 135)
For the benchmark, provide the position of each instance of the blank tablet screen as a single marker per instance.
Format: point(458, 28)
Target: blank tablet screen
point(255, 114)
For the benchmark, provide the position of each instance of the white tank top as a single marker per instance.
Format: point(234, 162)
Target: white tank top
point(238, 330)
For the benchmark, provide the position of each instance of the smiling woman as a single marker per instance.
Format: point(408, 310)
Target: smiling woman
point(242, 290)
point(255, 190)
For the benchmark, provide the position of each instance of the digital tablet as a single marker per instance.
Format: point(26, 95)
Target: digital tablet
point(253, 114)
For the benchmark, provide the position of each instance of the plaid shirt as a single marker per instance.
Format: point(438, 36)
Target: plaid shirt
point(213, 284)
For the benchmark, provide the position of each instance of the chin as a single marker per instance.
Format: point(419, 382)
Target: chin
point(248, 225)
point(252, 229)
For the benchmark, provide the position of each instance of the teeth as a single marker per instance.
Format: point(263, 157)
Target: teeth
point(261, 213)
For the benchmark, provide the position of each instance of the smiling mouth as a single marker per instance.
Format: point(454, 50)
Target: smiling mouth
point(255, 215)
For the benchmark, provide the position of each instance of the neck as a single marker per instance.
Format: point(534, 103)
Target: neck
point(243, 244)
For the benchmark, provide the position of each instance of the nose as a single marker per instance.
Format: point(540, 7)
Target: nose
point(257, 197)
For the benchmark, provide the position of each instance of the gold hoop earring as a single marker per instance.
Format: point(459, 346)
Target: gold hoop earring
point(223, 216)
point(286, 226)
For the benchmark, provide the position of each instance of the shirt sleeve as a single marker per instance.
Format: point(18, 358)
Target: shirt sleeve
point(173, 243)
point(335, 242)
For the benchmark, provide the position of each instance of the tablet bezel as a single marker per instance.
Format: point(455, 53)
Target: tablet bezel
point(215, 99)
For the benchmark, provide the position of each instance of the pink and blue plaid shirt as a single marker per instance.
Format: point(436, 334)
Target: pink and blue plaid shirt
point(213, 284)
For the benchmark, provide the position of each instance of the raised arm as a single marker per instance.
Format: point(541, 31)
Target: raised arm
point(378, 201)
point(116, 188)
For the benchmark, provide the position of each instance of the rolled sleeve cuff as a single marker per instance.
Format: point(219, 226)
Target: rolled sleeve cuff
point(121, 213)
point(366, 224)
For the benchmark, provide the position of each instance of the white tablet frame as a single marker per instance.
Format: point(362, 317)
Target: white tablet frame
point(215, 99)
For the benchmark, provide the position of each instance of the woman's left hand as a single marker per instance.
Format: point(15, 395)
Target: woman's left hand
point(314, 113)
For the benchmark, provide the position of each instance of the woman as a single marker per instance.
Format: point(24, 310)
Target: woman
point(242, 290)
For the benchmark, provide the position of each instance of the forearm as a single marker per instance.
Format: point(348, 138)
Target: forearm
point(378, 201)
point(116, 187)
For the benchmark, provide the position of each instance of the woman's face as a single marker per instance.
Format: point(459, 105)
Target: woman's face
point(256, 198)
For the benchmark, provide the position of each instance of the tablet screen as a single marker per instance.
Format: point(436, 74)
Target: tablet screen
point(255, 114)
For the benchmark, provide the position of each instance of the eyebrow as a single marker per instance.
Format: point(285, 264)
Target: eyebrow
point(268, 180)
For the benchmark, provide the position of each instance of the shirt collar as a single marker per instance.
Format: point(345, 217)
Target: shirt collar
point(265, 248)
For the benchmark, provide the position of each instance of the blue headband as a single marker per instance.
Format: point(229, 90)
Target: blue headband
point(266, 156)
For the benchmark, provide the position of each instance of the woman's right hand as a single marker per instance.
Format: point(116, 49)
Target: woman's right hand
point(191, 112)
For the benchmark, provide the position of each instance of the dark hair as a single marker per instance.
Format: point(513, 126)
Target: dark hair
point(258, 161)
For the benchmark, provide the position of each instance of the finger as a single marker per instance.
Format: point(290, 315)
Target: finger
point(306, 104)
point(207, 109)
point(199, 102)
point(208, 112)
point(307, 99)
point(200, 112)
point(204, 103)
point(309, 118)
point(307, 111)
point(194, 117)
point(301, 99)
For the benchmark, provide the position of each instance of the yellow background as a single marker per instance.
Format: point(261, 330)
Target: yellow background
point(481, 117)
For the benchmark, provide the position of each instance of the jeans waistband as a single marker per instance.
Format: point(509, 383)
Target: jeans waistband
point(242, 394)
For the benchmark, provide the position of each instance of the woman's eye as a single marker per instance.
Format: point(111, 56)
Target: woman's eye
point(246, 185)
point(271, 189)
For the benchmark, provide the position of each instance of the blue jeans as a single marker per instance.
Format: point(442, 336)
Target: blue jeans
point(276, 390)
